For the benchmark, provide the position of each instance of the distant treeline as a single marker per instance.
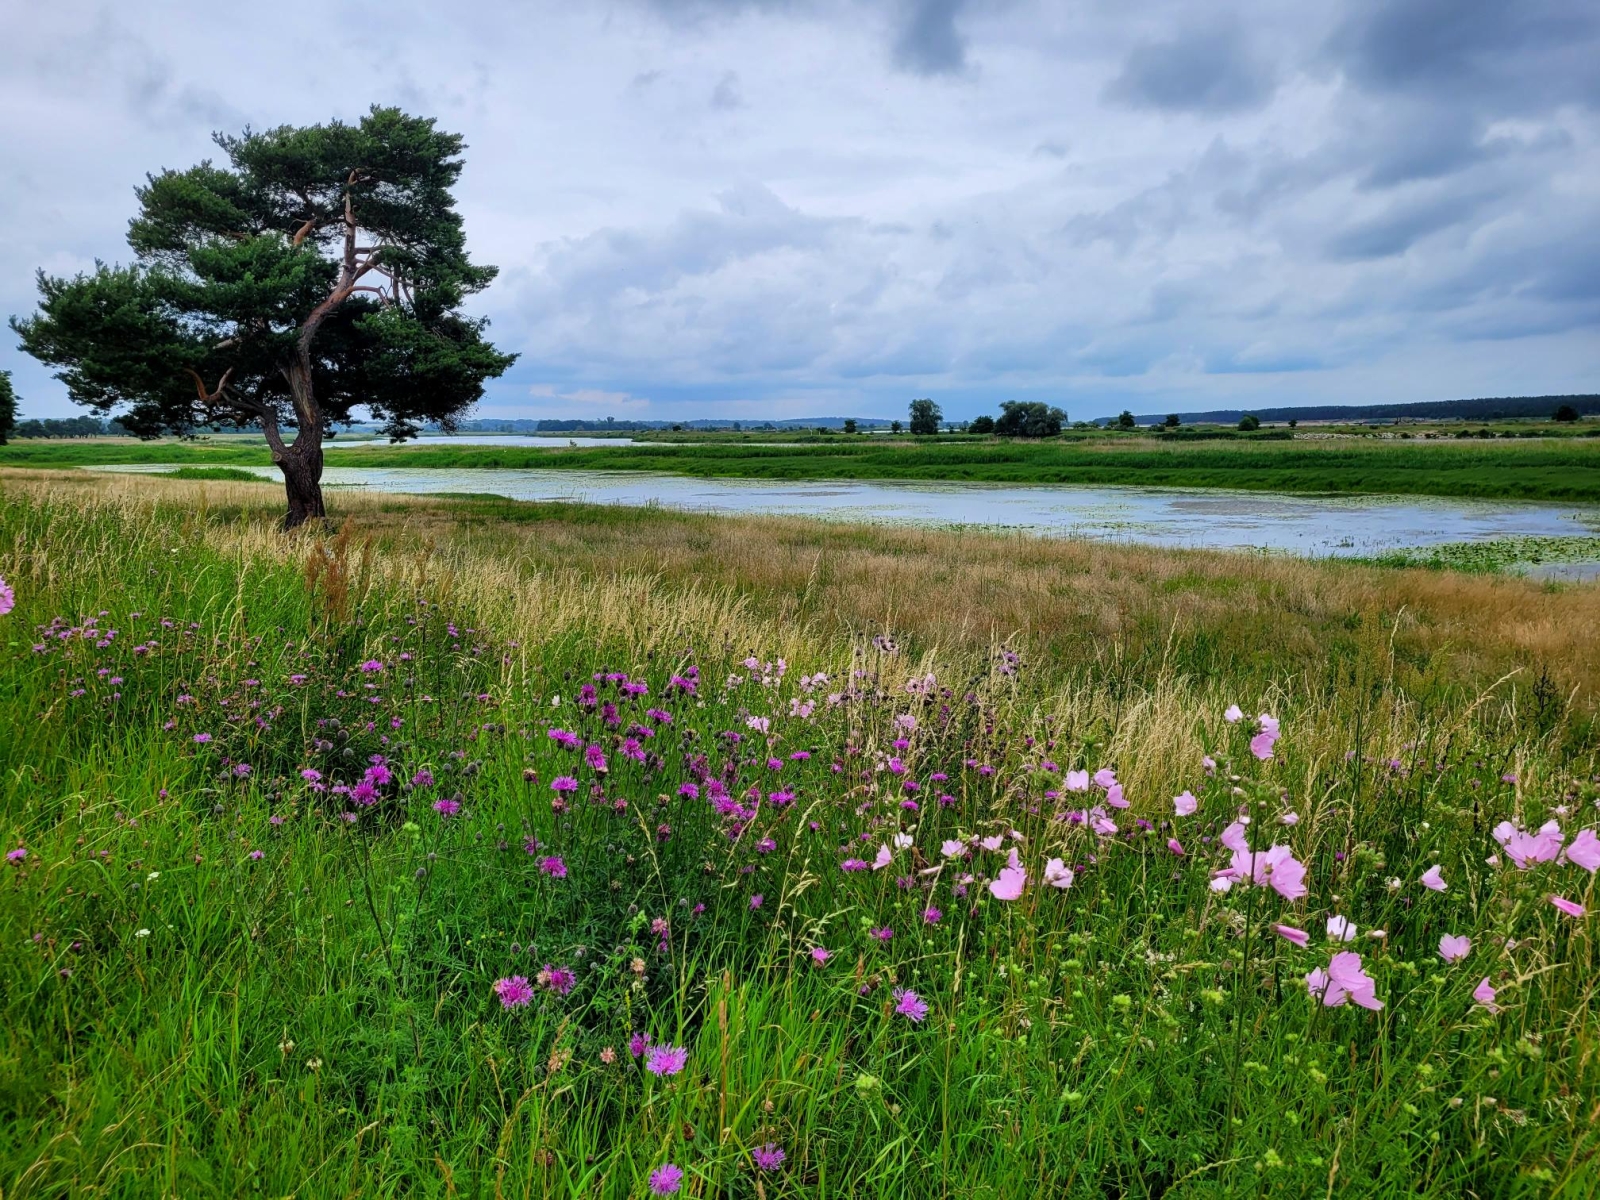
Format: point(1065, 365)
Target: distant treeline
point(67, 427)
point(84, 427)
point(1486, 409)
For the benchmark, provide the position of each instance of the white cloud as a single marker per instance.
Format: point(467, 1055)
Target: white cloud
point(790, 207)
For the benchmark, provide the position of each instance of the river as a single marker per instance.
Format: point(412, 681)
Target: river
point(1316, 526)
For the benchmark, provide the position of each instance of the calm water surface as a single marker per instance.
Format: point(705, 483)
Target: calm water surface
point(546, 441)
point(1311, 525)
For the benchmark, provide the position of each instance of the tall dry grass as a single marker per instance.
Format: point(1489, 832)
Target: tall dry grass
point(1109, 612)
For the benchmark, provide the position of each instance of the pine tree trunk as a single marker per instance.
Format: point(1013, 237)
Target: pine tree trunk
point(302, 479)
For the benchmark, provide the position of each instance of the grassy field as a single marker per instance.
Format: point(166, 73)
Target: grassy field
point(311, 900)
point(1550, 469)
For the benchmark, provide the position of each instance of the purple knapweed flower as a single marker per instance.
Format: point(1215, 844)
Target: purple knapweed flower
point(768, 1157)
point(514, 991)
point(666, 1179)
point(910, 1005)
point(666, 1059)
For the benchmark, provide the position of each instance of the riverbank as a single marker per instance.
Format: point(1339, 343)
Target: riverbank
point(1564, 469)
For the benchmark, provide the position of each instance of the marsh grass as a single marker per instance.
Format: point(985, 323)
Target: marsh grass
point(319, 1020)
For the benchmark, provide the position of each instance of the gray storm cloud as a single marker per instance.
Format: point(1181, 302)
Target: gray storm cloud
point(783, 207)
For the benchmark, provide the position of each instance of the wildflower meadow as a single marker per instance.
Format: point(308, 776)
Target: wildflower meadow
point(337, 866)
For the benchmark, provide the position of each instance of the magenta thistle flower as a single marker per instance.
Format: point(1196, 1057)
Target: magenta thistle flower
point(638, 1044)
point(769, 1157)
point(820, 955)
point(559, 980)
point(514, 991)
point(372, 666)
point(882, 935)
point(200, 739)
point(447, 807)
point(910, 1005)
point(666, 1059)
point(17, 855)
point(553, 867)
point(932, 916)
point(756, 901)
point(853, 864)
point(666, 1179)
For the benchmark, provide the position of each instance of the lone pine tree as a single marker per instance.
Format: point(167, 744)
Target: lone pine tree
point(324, 268)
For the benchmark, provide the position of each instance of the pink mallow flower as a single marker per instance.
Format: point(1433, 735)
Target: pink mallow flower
point(1484, 995)
point(1585, 850)
point(1184, 803)
point(1276, 866)
point(1010, 882)
point(1453, 948)
point(1290, 934)
point(1524, 848)
point(1261, 745)
point(1433, 879)
point(1571, 908)
point(1340, 929)
point(1057, 874)
point(1344, 980)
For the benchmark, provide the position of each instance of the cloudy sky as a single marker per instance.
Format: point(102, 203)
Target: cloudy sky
point(783, 208)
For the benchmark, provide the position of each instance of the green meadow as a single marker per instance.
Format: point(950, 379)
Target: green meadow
point(467, 848)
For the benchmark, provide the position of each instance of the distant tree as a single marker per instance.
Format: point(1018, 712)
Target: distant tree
point(1125, 420)
point(981, 425)
point(1249, 423)
point(1029, 418)
point(925, 417)
point(8, 407)
point(849, 424)
point(1294, 422)
point(1172, 421)
point(63, 427)
point(324, 267)
point(894, 426)
point(1566, 413)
